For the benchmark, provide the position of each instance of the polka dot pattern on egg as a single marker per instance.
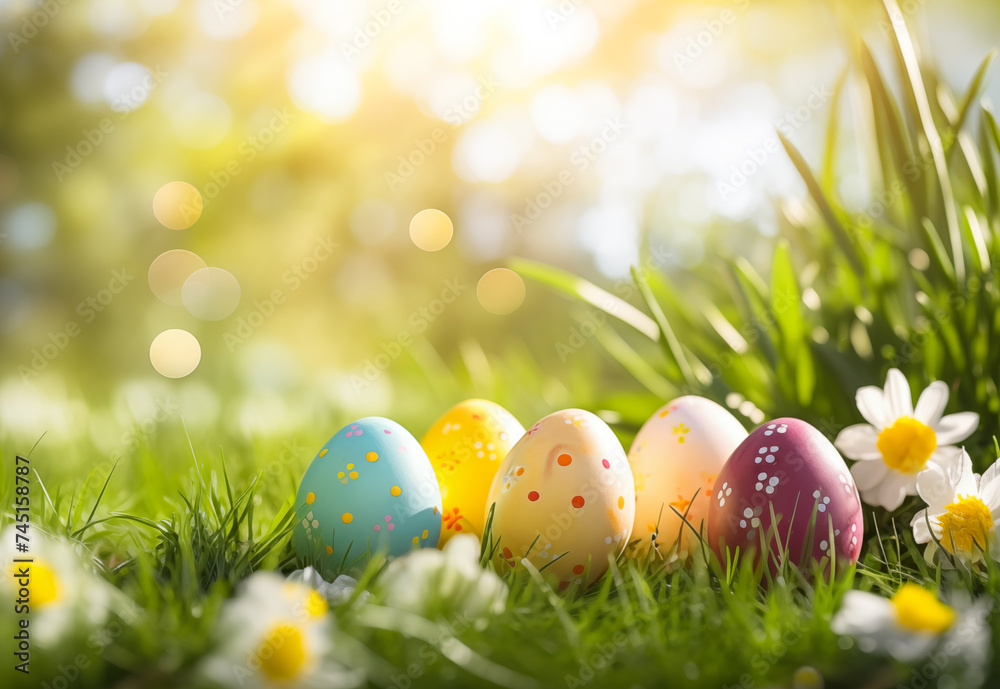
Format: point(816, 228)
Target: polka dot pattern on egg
point(370, 487)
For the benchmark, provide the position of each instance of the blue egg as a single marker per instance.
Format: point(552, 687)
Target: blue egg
point(371, 488)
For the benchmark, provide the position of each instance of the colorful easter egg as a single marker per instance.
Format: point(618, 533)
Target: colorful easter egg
point(675, 458)
point(565, 499)
point(788, 468)
point(370, 488)
point(466, 446)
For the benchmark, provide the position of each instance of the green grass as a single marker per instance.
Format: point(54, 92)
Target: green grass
point(911, 283)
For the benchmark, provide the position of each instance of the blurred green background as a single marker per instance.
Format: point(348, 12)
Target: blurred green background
point(104, 101)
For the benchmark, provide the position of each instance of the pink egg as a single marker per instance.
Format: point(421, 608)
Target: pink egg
point(789, 468)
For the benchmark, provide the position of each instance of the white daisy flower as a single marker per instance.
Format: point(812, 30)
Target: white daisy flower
point(335, 592)
point(909, 625)
point(64, 595)
point(899, 442)
point(449, 582)
point(276, 634)
point(962, 510)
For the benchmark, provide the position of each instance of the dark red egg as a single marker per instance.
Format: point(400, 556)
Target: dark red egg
point(789, 469)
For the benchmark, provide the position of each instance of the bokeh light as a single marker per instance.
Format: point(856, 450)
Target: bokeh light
point(127, 86)
point(431, 229)
point(168, 273)
point(211, 294)
point(201, 120)
point(500, 291)
point(175, 353)
point(226, 20)
point(177, 205)
point(324, 85)
point(29, 226)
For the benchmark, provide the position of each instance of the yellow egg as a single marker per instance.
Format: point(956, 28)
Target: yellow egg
point(565, 499)
point(466, 447)
point(675, 458)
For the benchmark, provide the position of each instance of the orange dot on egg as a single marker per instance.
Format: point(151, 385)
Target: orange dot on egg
point(520, 471)
point(578, 569)
point(395, 490)
point(621, 502)
point(347, 517)
point(578, 501)
point(353, 474)
point(329, 550)
point(371, 456)
point(565, 460)
point(310, 498)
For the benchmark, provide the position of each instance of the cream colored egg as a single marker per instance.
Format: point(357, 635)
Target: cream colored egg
point(675, 459)
point(466, 447)
point(565, 499)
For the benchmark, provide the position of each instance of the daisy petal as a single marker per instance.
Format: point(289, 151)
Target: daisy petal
point(929, 553)
point(955, 428)
point(907, 647)
point(858, 442)
point(935, 486)
point(989, 487)
point(968, 482)
point(863, 613)
point(893, 489)
point(898, 398)
point(919, 524)
point(871, 404)
point(867, 475)
point(931, 404)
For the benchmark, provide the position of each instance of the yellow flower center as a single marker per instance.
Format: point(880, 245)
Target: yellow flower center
point(919, 610)
point(315, 604)
point(282, 654)
point(907, 444)
point(966, 522)
point(43, 584)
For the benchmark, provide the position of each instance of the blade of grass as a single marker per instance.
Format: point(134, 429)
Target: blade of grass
point(577, 287)
point(671, 344)
point(840, 234)
point(915, 82)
